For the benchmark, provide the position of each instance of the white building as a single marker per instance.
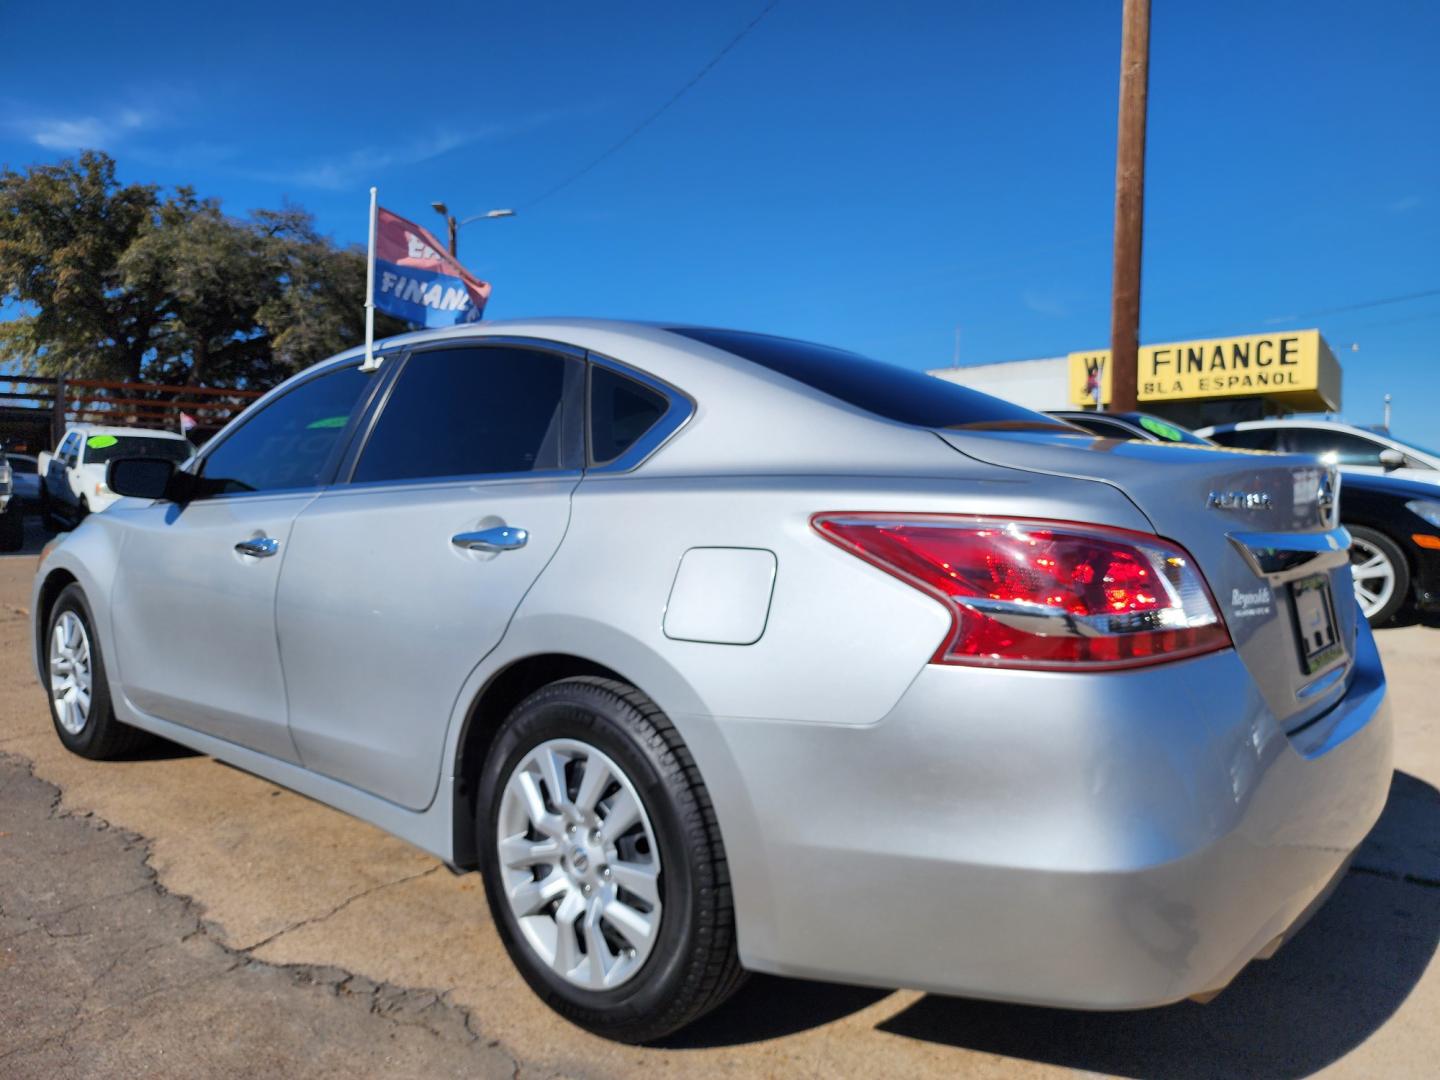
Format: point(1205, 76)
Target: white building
point(1036, 384)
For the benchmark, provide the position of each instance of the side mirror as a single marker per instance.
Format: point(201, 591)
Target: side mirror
point(1391, 459)
point(141, 477)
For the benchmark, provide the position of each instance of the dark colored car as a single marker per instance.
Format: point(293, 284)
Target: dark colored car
point(1130, 425)
point(25, 476)
point(1395, 543)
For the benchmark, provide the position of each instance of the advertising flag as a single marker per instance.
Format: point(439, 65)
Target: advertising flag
point(417, 280)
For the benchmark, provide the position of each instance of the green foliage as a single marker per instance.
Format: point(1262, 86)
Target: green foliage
point(124, 282)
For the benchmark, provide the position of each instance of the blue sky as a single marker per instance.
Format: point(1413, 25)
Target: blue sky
point(870, 175)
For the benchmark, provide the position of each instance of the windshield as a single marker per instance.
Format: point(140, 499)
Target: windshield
point(102, 448)
point(892, 392)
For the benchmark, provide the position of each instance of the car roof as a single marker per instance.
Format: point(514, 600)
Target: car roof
point(1294, 421)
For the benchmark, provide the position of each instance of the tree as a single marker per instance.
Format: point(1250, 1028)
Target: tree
point(118, 282)
point(63, 230)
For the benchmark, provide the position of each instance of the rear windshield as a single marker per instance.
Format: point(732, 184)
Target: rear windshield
point(895, 393)
point(101, 448)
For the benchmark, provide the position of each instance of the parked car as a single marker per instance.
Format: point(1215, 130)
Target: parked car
point(73, 477)
point(715, 651)
point(1355, 449)
point(25, 475)
point(1394, 543)
point(12, 514)
point(1130, 425)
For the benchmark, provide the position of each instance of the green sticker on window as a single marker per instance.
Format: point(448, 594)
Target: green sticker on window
point(1164, 430)
point(328, 422)
point(99, 442)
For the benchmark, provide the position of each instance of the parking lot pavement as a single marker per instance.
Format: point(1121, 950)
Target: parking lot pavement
point(221, 926)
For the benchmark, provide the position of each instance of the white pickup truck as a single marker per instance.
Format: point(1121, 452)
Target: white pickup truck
point(72, 479)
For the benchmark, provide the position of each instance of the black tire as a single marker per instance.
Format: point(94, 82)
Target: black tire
point(1382, 544)
point(12, 527)
point(694, 964)
point(103, 737)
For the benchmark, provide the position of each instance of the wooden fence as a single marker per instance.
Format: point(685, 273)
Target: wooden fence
point(31, 404)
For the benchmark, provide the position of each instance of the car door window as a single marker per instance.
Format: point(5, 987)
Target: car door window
point(292, 441)
point(475, 411)
point(621, 411)
point(1249, 438)
point(1347, 449)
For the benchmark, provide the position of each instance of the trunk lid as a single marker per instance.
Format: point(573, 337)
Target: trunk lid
point(1259, 525)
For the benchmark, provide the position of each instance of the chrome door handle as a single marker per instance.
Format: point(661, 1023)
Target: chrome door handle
point(499, 538)
point(261, 547)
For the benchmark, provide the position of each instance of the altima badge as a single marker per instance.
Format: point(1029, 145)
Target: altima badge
point(1239, 500)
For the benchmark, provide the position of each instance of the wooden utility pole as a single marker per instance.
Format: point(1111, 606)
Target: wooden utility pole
point(1129, 205)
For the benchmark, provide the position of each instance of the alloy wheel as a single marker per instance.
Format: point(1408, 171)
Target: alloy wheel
point(579, 864)
point(70, 672)
point(1374, 576)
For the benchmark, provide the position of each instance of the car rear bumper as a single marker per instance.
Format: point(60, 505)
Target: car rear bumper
point(1100, 841)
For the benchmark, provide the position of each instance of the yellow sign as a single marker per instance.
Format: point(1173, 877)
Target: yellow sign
point(1295, 368)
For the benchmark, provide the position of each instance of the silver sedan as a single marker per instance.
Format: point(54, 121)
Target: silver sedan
point(718, 652)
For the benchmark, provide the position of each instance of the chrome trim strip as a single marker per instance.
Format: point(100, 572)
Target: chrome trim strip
point(1285, 557)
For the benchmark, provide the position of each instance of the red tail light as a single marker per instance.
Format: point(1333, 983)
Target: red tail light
point(1040, 594)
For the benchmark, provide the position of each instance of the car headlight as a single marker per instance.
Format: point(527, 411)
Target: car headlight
point(1427, 509)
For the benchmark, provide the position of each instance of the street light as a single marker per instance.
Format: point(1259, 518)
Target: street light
point(453, 225)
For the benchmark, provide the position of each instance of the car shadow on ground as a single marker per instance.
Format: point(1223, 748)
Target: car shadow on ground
point(1320, 997)
point(1408, 616)
point(36, 537)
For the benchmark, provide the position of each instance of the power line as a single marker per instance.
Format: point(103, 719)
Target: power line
point(638, 128)
point(1360, 306)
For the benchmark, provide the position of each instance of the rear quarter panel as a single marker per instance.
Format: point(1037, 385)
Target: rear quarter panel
point(843, 641)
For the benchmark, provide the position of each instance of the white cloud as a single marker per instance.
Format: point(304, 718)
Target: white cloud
point(1409, 202)
point(356, 167)
point(1045, 304)
point(81, 132)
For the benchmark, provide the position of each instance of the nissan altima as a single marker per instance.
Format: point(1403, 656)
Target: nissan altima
point(718, 652)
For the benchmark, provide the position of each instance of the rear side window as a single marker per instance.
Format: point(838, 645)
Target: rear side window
point(473, 412)
point(290, 442)
point(1249, 438)
point(621, 410)
point(895, 393)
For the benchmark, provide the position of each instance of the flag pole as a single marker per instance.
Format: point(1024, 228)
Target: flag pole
point(371, 363)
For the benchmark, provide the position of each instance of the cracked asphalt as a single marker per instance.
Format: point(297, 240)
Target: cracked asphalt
point(172, 916)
